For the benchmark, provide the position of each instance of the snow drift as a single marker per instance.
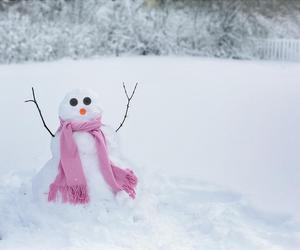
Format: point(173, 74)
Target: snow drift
point(193, 122)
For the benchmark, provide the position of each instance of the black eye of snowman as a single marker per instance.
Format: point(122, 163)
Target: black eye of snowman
point(87, 101)
point(73, 102)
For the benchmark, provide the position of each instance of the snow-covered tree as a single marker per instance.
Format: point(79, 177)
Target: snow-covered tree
point(46, 30)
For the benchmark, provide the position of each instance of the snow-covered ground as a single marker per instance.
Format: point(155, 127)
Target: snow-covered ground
point(216, 144)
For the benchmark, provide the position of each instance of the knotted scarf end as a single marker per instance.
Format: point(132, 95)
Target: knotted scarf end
point(72, 194)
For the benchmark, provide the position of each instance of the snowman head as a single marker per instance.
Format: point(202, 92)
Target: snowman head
point(80, 105)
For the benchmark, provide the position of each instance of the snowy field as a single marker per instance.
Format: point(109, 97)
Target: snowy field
point(214, 142)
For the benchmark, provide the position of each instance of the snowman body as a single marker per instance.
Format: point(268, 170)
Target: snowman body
point(98, 189)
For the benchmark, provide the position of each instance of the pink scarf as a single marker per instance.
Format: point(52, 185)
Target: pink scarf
point(70, 180)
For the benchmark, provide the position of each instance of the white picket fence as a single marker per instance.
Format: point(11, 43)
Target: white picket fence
point(279, 49)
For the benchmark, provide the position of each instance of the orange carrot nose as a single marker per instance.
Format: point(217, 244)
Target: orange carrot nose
point(82, 111)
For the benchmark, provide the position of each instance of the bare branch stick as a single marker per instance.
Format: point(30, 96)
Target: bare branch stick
point(124, 87)
point(128, 104)
point(40, 112)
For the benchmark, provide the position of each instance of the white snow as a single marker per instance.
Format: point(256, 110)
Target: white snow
point(215, 144)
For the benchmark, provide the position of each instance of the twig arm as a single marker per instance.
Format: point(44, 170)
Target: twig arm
point(128, 104)
point(40, 112)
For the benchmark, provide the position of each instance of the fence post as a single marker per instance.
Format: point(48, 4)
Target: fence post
point(278, 49)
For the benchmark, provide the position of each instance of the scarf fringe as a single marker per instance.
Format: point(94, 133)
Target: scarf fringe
point(130, 190)
point(72, 194)
point(130, 183)
point(131, 178)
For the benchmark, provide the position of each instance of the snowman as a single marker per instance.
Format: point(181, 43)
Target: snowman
point(80, 170)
